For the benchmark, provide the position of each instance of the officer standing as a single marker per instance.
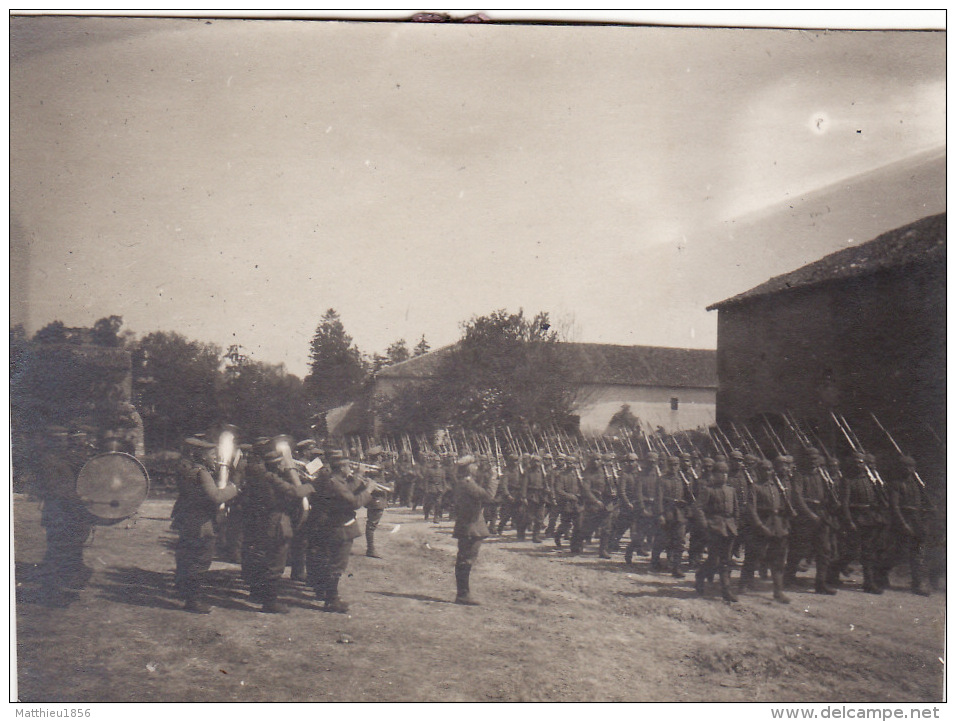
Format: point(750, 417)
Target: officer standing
point(470, 527)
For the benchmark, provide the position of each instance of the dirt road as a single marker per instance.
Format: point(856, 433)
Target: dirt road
point(550, 628)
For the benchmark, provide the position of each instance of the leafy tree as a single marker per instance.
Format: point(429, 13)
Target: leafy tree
point(263, 400)
point(398, 352)
point(336, 370)
point(106, 331)
point(53, 332)
point(421, 348)
point(177, 382)
point(506, 369)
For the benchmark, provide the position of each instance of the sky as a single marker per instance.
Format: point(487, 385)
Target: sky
point(232, 179)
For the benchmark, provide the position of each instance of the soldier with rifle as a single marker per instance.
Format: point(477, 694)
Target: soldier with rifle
point(507, 492)
point(630, 499)
point(567, 490)
point(533, 492)
point(648, 508)
point(595, 514)
point(434, 486)
point(769, 515)
point(913, 516)
point(676, 497)
point(717, 511)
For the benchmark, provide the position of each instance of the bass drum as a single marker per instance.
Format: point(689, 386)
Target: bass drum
point(112, 486)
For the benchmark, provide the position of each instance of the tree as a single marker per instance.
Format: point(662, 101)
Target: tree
point(106, 331)
point(506, 369)
point(397, 352)
point(336, 370)
point(177, 381)
point(53, 332)
point(263, 400)
point(421, 348)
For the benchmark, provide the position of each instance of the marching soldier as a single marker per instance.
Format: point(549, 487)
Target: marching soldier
point(534, 492)
point(912, 519)
point(507, 491)
point(813, 530)
point(199, 516)
point(435, 487)
point(567, 490)
point(717, 511)
point(470, 527)
point(867, 513)
point(769, 531)
point(596, 514)
point(675, 499)
point(630, 501)
point(332, 527)
point(648, 509)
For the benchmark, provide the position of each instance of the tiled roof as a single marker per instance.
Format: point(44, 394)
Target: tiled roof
point(921, 242)
point(595, 363)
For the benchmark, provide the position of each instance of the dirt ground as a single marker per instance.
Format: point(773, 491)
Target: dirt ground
point(550, 628)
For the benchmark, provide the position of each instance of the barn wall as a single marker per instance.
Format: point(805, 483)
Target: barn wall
point(871, 344)
point(597, 403)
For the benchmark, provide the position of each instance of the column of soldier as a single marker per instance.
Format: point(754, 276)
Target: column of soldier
point(744, 503)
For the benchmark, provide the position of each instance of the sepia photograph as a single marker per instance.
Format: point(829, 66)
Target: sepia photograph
point(478, 357)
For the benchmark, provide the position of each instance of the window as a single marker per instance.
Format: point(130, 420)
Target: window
point(674, 402)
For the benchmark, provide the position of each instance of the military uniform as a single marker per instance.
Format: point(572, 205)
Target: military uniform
point(716, 510)
point(867, 512)
point(332, 528)
point(507, 494)
point(67, 522)
point(913, 517)
point(675, 501)
point(647, 510)
point(813, 530)
point(597, 511)
point(769, 531)
point(470, 527)
point(199, 517)
point(567, 490)
point(376, 505)
point(435, 488)
point(533, 491)
point(267, 528)
point(629, 486)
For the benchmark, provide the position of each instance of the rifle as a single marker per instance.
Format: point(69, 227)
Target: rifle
point(898, 449)
point(857, 447)
point(820, 468)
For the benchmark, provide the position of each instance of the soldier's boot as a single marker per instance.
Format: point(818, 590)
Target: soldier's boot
point(869, 583)
point(778, 594)
point(699, 583)
point(746, 583)
point(820, 584)
point(725, 589)
point(602, 547)
point(557, 539)
point(676, 570)
point(464, 592)
point(629, 554)
point(333, 602)
point(656, 561)
point(197, 605)
point(370, 546)
point(833, 577)
point(536, 533)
